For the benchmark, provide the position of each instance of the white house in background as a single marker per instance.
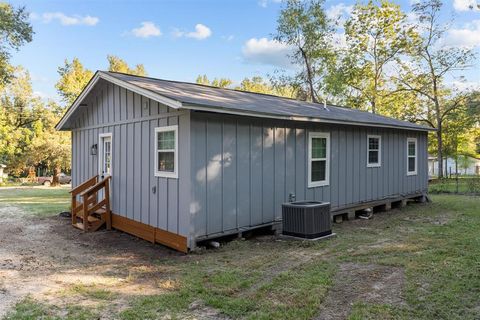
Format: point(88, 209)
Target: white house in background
point(449, 166)
point(2, 166)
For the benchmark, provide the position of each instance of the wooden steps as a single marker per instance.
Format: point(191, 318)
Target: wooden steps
point(97, 212)
point(94, 221)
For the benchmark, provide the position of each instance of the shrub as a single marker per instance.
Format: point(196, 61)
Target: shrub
point(473, 185)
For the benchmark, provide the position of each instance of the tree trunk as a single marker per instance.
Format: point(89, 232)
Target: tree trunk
point(456, 166)
point(55, 180)
point(309, 76)
point(440, 151)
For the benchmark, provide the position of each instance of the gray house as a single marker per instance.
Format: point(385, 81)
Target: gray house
point(190, 162)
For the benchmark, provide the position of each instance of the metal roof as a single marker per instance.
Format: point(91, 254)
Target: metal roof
point(206, 98)
point(241, 101)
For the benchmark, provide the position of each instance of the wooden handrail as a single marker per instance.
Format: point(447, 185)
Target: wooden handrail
point(99, 185)
point(88, 192)
point(90, 182)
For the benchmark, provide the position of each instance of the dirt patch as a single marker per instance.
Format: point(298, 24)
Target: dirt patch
point(439, 219)
point(198, 310)
point(45, 258)
point(367, 283)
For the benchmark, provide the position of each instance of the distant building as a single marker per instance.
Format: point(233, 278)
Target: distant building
point(449, 166)
point(2, 175)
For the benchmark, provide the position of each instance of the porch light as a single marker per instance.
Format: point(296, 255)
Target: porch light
point(93, 150)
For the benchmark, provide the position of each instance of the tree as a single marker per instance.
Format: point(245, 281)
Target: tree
point(217, 82)
point(259, 85)
point(304, 27)
point(73, 78)
point(50, 149)
point(27, 134)
point(377, 35)
point(424, 74)
point(15, 31)
point(464, 162)
point(116, 64)
point(18, 112)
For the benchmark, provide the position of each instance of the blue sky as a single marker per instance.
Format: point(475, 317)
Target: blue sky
point(179, 40)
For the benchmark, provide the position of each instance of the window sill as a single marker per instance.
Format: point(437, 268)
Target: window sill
point(318, 184)
point(374, 165)
point(411, 173)
point(172, 175)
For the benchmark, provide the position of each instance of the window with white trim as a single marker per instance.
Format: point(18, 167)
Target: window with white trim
point(105, 154)
point(318, 159)
point(411, 156)
point(374, 151)
point(166, 151)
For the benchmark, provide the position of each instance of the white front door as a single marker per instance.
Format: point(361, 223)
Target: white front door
point(105, 154)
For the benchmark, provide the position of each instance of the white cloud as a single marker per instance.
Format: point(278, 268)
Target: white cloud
point(201, 32)
point(265, 51)
point(147, 30)
point(466, 5)
point(467, 37)
point(66, 20)
point(228, 38)
point(465, 85)
point(264, 3)
point(339, 12)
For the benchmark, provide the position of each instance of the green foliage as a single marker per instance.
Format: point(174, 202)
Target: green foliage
point(464, 162)
point(27, 134)
point(464, 185)
point(73, 78)
point(303, 25)
point(15, 31)
point(217, 82)
point(92, 292)
point(425, 73)
point(473, 185)
point(116, 64)
point(259, 85)
point(30, 309)
point(377, 35)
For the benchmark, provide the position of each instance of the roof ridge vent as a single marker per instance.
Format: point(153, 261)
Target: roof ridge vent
point(325, 105)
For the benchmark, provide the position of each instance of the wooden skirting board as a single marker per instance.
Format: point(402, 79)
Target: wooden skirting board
point(149, 233)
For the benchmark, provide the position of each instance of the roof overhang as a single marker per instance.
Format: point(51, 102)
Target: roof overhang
point(102, 75)
point(175, 104)
point(206, 108)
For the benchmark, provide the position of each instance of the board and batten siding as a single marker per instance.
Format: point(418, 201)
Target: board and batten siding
point(244, 168)
point(132, 118)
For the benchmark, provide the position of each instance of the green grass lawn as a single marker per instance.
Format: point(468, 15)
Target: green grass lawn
point(466, 185)
point(39, 201)
point(437, 245)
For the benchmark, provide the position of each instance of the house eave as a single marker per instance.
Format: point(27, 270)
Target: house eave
point(205, 108)
point(101, 75)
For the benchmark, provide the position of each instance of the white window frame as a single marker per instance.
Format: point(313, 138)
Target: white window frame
point(379, 163)
point(100, 154)
point(166, 174)
point(326, 182)
point(412, 173)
